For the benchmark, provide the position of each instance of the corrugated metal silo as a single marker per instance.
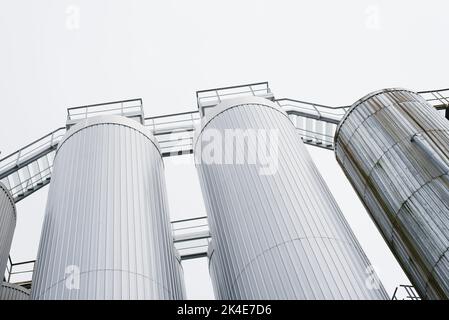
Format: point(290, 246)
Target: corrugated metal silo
point(106, 233)
point(9, 291)
point(7, 226)
point(277, 231)
point(394, 148)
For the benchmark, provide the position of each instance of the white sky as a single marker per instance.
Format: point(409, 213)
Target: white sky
point(330, 52)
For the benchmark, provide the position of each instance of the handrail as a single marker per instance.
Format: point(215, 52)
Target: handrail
point(30, 144)
point(105, 104)
point(106, 108)
point(233, 87)
point(315, 124)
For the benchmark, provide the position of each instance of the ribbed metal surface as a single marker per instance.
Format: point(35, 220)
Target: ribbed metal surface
point(107, 215)
point(7, 226)
point(9, 291)
point(403, 183)
point(216, 275)
point(181, 291)
point(278, 236)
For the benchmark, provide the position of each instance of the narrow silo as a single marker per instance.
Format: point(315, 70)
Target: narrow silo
point(106, 233)
point(10, 291)
point(394, 148)
point(277, 231)
point(7, 226)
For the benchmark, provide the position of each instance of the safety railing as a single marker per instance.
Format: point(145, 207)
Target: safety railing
point(132, 108)
point(191, 237)
point(316, 124)
point(174, 132)
point(405, 292)
point(28, 169)
point(209, 98)
point(437, 98)
point(19, 273)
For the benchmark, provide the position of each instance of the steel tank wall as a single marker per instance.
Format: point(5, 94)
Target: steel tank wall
point(394, 148)
point(107, 221)
point(7, 226)
point(9, 291)
point(279, 236)
point(214, 273)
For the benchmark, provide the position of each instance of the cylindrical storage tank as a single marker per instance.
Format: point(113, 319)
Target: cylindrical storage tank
point(7, 225)
point(394, 148)
point(106, 233)
point(277, 231)
point(9, 291)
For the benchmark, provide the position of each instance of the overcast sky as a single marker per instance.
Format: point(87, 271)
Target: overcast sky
point(55, 54)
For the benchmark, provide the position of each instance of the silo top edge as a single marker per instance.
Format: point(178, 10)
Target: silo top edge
point(232, 103)
point(16, 287)
point(10, 197)
point(109, 119)
point(361, 101)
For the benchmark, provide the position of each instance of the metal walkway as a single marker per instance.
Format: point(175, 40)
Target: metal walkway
point(29, 169)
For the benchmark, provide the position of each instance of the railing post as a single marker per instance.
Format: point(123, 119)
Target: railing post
point(444, 98)
point(18, 157)
point(218, 96)
point(252, 91)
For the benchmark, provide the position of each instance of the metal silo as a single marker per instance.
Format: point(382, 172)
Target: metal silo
point(277, 231)
point(106, 233)
point(10, 291)
point(7, 226)
point(394, 148)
